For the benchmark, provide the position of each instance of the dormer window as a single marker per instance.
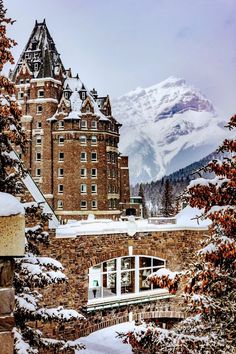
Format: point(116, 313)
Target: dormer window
point(27, 55)
point(34, 45)
point(66, 95)
point(41, 93)
point(21, 81)
point(61, 124)
point(83, 124)
point(83, 95)
point(93, 124)
point(36, 66)
point(27, 81)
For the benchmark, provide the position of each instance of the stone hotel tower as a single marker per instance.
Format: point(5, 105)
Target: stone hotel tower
point(73, 153)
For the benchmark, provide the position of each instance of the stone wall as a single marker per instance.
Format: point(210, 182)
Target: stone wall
point(6, 305)
point(12, 244)
point(78, 254)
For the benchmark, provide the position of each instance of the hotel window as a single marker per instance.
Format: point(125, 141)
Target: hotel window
point(60, 188)
point(108, 157)
point(94, 124)
point(123, 276)
point(61, 124)
point(83, 172)
point(59, 204)
point(20, 95)
point(93, 172)
point(93, 156)
point(39, 125)
point(61, 140)
point(94, 204)
point(94, 188)
point(93, 140)
point(61, 156)
point(60, 172)
point(41, 93)
point(38, 140)
point(83, 188)
point(83, 204)
point(83, 140)
point(83, 156)
point(38, 156)
point(83, 124)
point(38, 172)
point(39, 109)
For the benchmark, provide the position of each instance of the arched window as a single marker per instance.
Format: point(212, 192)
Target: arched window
point(123, 276)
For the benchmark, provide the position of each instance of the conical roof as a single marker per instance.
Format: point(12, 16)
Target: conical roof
point(40, 54)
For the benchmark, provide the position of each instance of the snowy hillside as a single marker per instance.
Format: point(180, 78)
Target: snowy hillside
point(166, 127)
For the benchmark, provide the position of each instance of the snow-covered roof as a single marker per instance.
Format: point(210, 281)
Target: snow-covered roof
point(75, 85)
point(9, 205)
point(185, 220)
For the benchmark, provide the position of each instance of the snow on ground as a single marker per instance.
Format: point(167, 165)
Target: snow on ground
point(9, 205)
point(104, 341)
point(184, 220)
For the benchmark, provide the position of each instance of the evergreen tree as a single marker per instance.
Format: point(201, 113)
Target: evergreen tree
point(211, 286)
point(167, 208)
point(31, 271)
point(144, 208)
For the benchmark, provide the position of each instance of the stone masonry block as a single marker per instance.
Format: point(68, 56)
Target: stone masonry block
point(6, 272)
point(7, 343)
point(6, 323)
point(12, 240)
point(7, 299)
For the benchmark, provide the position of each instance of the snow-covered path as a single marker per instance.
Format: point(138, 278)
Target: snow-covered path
point(104, 341)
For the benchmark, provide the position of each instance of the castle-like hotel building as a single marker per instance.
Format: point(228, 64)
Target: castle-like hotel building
point(73, 153)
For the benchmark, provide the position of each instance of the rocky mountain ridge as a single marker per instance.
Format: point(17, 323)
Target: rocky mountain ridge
point(166, 127)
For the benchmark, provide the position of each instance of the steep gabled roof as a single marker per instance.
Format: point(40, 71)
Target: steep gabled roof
point(41, 54)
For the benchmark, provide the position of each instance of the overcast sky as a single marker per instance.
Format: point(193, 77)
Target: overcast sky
point(117, 45)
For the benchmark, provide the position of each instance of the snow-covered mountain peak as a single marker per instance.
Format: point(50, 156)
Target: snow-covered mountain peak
point(166, 127)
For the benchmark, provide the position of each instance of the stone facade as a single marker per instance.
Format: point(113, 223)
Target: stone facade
point(12, 240)
point(73, 153)
point(79, 254)
point(12, 244)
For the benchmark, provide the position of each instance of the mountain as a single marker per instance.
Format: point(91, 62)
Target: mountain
point(166, 127)
point(179, 181)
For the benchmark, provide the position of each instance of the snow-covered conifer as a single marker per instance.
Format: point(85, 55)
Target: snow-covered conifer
point(210, 289)
point(144, 207)
point(167, 208)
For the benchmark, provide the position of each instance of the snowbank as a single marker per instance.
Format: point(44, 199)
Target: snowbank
point(9, 205)
point(184, 220)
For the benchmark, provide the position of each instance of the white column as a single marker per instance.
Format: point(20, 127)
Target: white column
point(118, 275)
point(136, 274)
